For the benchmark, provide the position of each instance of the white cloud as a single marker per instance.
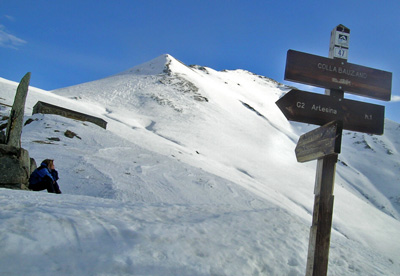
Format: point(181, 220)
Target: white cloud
point(395, 98)
point(9, 17)
point(8, 40)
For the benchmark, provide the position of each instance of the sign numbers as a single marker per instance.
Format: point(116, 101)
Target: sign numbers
point(301, 105)
point(340, 52)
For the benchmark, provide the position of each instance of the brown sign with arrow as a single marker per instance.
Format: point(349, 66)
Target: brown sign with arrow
point(338, 74)
point(318, 109)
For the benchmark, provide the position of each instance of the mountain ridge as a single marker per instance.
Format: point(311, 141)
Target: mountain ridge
point(178, 85)
point(156, 66)
point(193, 140)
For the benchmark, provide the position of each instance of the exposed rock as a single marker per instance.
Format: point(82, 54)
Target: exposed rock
point(15, 164)
point(71, 134)
point(2, 137)
point(15, 122)
point(30, 120)
point(15, 167)
point(42, 142)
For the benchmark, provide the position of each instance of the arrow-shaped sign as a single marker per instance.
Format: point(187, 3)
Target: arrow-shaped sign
point(318, 109)
point(320, 142)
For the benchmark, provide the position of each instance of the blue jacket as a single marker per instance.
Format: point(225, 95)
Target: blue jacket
point(39, 174)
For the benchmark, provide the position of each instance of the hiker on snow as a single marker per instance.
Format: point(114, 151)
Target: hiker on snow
point(45, 177)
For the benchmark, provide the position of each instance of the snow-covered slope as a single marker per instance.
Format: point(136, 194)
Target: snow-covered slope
point(195, 175)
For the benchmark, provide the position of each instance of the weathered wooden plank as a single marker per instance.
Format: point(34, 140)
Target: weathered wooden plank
point(320, 232)
point(320, 142)
point(46, 108)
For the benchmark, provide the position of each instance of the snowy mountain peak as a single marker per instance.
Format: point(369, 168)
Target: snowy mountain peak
point(195, 166)
point(160, 65)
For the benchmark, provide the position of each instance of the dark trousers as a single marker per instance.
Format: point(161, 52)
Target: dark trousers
point(46, 183)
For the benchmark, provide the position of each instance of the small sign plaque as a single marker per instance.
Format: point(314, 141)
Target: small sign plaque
point(339, 52)
point(342, 39)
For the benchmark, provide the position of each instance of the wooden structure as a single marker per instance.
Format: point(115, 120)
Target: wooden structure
point(46, 108)
point(333, 113)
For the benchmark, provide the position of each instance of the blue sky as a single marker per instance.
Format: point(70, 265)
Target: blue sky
point(64, 43)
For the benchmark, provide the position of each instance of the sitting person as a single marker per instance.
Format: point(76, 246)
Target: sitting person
point(45, 177)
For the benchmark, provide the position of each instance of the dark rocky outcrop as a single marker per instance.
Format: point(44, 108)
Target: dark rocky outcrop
point(15, 164)
point(15, 167)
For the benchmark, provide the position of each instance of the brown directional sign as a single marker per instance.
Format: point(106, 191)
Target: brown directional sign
point(338, 74)
point(318, 109)
point(320, 142)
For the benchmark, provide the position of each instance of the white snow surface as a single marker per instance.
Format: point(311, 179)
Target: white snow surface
point(195, 175)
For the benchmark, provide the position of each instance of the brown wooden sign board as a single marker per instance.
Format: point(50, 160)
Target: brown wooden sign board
point(338, 74)
point(320, 142)
point(319, 109)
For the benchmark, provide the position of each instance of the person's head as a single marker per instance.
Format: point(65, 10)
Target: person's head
point(49, 163)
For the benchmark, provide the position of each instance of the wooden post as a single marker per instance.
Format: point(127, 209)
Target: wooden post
point(320, 232)
point(324, 143)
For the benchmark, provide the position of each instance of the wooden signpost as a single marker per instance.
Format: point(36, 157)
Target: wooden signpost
point(319, 109)
point(333, 113)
